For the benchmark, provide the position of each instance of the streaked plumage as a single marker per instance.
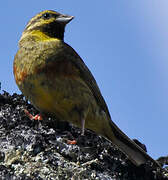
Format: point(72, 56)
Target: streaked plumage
point(57, 82)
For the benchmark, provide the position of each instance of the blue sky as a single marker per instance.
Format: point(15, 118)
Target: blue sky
point(124, 44)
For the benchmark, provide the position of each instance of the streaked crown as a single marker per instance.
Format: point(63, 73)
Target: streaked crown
point(49, 22)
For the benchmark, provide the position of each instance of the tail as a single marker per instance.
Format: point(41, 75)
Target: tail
point(135, 153)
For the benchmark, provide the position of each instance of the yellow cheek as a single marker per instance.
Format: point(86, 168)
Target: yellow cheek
point(40, 35)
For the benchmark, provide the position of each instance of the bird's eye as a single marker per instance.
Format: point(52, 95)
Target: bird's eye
point(46, 16)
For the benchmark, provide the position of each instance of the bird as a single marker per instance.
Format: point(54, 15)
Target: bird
point(57, 82)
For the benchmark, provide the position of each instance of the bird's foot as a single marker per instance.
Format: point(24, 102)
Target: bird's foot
point(73, 142)
point(36, 117)
point(80, 140)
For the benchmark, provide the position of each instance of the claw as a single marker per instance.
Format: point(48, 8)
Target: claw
point(73, 142)
point(31, 117)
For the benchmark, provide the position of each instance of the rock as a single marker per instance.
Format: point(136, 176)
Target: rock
point(38, 150)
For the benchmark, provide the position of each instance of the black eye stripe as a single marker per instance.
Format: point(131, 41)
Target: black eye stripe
point(45, 16)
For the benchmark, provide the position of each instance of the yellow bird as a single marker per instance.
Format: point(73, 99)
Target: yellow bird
point(54, 78)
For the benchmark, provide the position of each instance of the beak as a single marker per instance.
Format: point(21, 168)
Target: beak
point(64, 19)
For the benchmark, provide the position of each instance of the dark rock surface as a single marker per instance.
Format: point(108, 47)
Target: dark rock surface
point(33, 150)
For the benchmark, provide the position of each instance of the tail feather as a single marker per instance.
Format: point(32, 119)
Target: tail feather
point(135, 153)
point(135, 156)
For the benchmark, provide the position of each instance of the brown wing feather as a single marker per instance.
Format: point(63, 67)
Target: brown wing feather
point(87, 76)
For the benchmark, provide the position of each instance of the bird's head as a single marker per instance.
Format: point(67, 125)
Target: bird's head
point(49, 24)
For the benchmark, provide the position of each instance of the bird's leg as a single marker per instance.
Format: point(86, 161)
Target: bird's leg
point(36, 117)
point(83, 115)
point(83, 126)
point(82, 129)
